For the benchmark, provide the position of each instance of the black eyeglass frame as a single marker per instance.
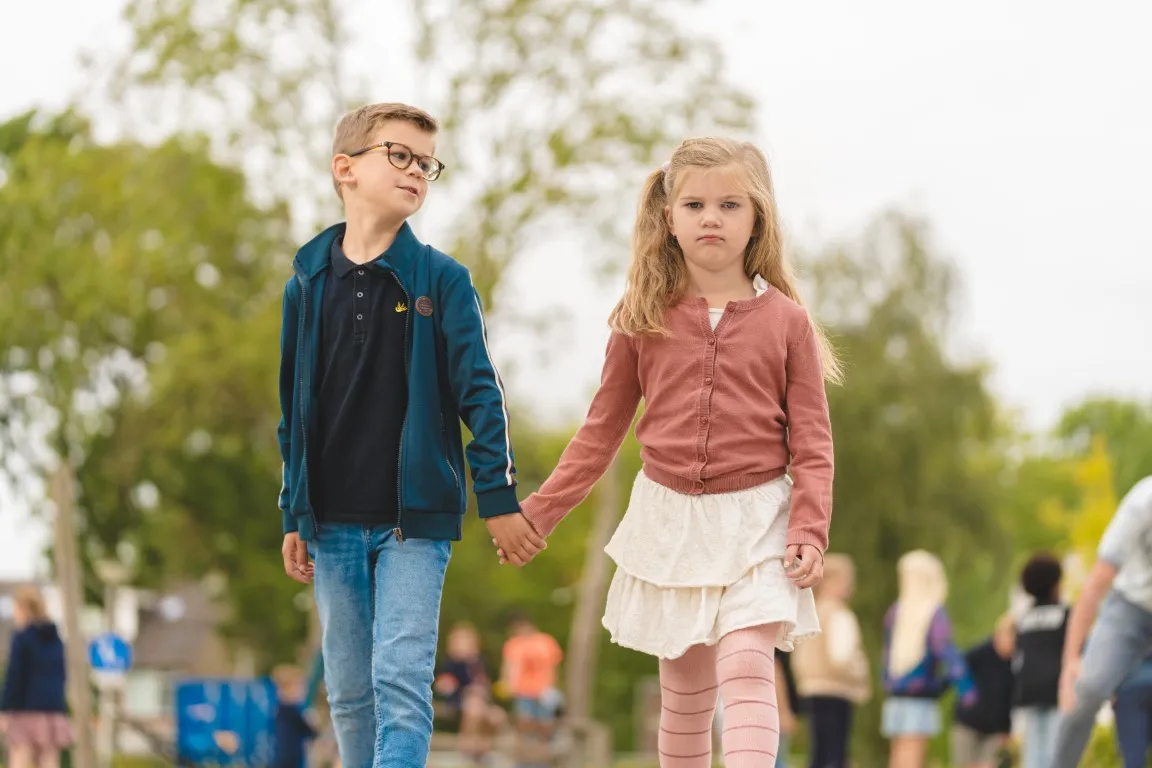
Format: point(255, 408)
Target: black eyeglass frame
point(412, 157)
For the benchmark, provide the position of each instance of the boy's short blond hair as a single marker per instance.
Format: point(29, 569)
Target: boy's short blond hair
point(356, 129)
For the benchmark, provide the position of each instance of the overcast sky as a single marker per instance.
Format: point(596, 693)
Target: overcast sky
point(1021, 130)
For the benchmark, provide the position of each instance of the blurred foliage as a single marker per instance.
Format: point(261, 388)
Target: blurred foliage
point(264, 79)
point(138, 318)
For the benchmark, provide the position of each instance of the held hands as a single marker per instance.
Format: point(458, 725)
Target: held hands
point(516, 540)
point(804, 564)
point(296, 562)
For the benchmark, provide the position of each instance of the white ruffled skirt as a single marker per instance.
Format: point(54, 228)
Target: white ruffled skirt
point(691, 569)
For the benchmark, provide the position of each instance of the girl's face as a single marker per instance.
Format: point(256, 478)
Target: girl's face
point(712, 218)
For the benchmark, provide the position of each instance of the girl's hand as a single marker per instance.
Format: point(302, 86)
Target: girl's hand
point(804, 564)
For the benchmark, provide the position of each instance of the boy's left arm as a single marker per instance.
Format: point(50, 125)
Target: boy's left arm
point(480, 396)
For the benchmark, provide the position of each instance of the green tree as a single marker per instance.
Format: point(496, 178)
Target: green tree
point(137, 313)
point(1125, 427)
point(919, 440)
point(1082, 523)
point(265, 79)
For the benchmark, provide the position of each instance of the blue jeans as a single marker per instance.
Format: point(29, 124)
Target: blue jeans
point(1133, 710)
point(1039, 735)
point(379, 606)
point(1120, 639)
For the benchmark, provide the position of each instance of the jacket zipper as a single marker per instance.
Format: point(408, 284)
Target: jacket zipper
point(303, 420)
point(398, 530)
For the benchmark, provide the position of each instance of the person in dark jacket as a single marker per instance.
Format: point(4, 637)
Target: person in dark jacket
point(981, 729)
point(33, 706)
point(293, 729)
point(1039, 649)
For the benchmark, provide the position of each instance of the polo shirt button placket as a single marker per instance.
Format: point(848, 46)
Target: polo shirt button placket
point(358, 303)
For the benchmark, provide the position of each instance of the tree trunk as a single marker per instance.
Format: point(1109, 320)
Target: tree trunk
point(68, 575)
point(585, 637)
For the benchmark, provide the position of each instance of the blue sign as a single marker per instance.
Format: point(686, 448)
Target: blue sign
point(110, 653)
point(225, 721)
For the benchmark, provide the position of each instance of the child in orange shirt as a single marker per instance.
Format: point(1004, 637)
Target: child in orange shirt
point(531, 658)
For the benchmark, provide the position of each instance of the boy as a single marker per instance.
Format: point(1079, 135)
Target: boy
point(463, 682)
point(383, 351)
point(531, 658)
point(981, 729)
point(293, 731)
point(1039, 648)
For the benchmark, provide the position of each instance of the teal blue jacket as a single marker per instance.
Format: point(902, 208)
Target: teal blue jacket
point(451, 377)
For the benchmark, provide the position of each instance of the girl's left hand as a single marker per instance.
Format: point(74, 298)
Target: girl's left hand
point(804, 564)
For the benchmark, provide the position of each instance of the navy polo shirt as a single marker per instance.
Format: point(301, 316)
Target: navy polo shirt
point(362, 394)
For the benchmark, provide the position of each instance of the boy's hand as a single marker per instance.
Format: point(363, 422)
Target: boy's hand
point(296, 562)
point(516, 540)
point(804, 564)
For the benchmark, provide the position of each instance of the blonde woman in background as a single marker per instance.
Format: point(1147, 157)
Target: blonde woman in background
point(832, 669)
point(32, 706)
point(921, 660)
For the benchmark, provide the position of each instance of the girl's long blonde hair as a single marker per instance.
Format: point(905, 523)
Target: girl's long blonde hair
point(923, 589)
point(658, 277)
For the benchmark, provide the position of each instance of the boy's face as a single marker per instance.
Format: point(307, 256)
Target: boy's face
point(463, 643)
point(292, 692)
point(374, 182)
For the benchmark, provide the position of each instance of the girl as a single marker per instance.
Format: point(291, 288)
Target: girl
point(920, 660)
point(728, 521)
point(832, 671)
point(32, 706)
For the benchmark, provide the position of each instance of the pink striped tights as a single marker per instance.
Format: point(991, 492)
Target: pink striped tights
point(742, 669)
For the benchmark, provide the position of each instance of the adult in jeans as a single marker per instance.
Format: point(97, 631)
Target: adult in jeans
point(1118, 592)
point(1133, 708)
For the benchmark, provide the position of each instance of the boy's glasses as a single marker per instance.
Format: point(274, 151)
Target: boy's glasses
point(401, 157)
